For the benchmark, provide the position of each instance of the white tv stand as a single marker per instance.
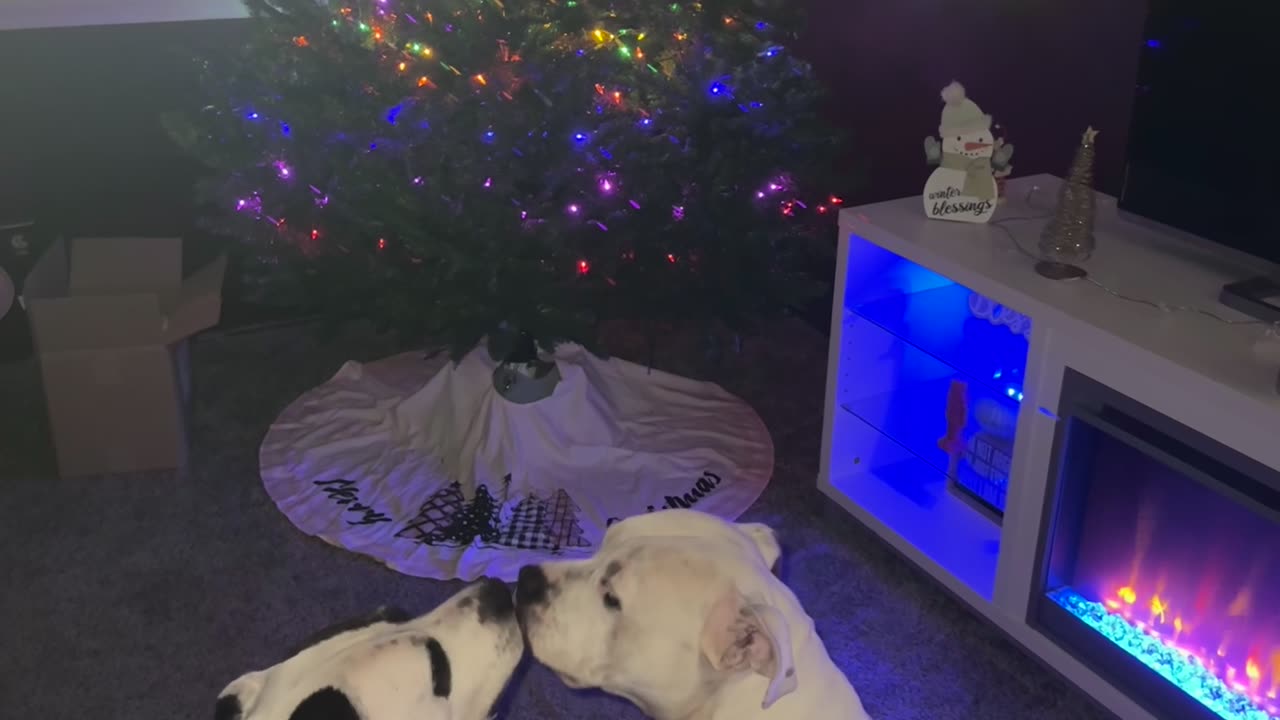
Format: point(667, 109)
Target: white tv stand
point(1198, 371)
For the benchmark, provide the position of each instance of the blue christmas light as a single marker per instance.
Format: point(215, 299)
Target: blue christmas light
point(1153, 43)
point(284, 128)
point(394, 113)
point(580, 137)
point(1183, 671)
point(762, 25)
point(253, 116)
point(718, 88)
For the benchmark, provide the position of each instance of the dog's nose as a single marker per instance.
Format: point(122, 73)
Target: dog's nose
point(531, 586)
point(493, 600)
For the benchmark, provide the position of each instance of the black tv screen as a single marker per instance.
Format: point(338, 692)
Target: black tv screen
point(1204, 142)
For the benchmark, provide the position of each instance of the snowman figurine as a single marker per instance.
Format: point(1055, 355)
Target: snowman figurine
point(963, 187)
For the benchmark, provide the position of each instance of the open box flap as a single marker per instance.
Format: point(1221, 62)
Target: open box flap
point(105, 266)
point(198, 304)
point(48, 277)
point(106, 321)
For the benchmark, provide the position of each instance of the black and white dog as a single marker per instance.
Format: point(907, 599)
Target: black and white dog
point(450, 664)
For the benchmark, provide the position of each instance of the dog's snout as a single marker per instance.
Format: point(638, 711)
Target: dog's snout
point(531, 586)
point(493, 600)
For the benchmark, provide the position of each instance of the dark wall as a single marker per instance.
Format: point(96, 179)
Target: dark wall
point(1045, 69)
point(81, 145)
point(82, 149)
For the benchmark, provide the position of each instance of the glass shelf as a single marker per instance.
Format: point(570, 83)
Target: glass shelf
point(940, 322)
point(911, 416)
point(911, 499)
point(915, 350)
point(903, 390)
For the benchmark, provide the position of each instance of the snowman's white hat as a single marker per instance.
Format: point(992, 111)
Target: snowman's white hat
point(960, 114)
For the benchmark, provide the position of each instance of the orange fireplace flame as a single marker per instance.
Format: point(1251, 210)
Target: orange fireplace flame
point(1241, 604)
point(1158, 608)
point(1259, 677)
point(1254, 672)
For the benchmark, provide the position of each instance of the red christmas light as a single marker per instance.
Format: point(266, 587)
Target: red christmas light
point(315, 234)
point(671, 258)
point(301, 41)
point(583, 267)
point(382, 243)
point(836, 200)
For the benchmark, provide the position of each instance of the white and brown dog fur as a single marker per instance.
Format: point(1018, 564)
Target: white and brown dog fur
point(681, 613)
point(449, 664)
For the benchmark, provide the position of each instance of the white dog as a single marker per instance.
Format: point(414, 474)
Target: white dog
point(681, 613)
point(450, 664)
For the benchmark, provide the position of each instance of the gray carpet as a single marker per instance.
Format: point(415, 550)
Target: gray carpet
point(139, 597)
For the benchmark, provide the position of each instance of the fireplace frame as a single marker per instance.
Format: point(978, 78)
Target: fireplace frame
point(1088, 408)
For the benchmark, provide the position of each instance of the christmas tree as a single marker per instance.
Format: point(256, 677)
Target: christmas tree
point(467, 168)
point(1068, 237)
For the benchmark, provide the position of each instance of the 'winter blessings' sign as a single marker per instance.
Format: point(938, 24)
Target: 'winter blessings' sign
point(963, 186)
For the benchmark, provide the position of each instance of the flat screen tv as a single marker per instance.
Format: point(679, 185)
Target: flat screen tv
point(1204, 142)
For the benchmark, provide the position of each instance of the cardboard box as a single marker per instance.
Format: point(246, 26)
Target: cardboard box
point(110, 317)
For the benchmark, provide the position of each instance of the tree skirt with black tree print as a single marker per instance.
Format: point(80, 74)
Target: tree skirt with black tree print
point(420, 463)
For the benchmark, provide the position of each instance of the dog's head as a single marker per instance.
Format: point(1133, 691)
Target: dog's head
point(674, 606)
point(450, 664)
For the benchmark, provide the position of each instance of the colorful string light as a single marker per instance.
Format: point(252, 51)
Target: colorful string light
point(410, 55)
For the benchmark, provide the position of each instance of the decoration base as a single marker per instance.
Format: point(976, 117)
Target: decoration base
point(524, 384)
point(443, 470)
point(1060, 271)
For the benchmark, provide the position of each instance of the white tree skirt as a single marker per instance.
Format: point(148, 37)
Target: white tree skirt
point(423, 466)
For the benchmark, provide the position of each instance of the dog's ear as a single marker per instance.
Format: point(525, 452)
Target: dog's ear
point(237, 699)
point(766, 541)
point(741, 636)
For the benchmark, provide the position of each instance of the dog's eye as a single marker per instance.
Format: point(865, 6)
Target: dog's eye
point(611, 601)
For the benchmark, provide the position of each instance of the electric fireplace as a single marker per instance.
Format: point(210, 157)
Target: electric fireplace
point(1160, 560)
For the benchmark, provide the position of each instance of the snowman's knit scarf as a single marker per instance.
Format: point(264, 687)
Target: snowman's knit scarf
point(977, 174)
